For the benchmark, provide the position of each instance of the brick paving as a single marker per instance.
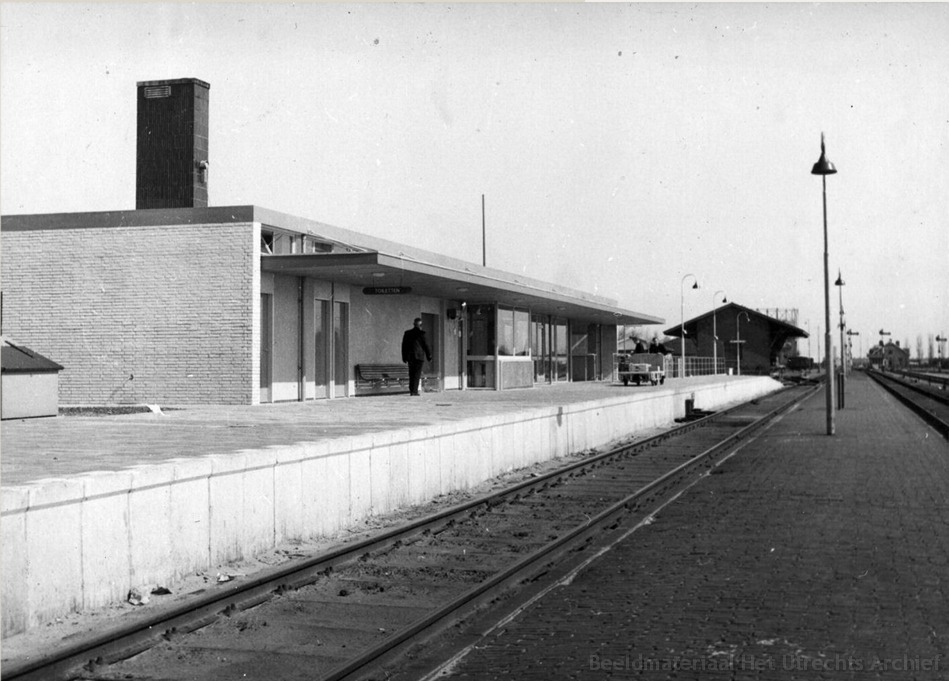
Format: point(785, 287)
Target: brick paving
point(67, 445)
point(807, 557)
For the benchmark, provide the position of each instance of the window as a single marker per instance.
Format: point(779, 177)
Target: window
point(505, 331)
point(481, 330)
point(522, 333)
point(514, 332)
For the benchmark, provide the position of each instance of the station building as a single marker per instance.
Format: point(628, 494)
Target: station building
point(888, 357)
point(763, 340)
point(177, 302)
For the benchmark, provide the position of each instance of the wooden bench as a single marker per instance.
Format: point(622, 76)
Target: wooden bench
point(381, 378)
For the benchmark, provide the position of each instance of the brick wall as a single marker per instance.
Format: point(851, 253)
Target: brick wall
point(157, 315)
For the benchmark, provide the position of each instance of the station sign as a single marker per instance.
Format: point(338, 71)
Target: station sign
point(386, 290)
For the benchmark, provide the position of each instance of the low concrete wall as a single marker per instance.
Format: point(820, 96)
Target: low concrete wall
point(81, 543)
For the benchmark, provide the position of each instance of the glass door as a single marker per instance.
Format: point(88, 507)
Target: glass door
point(432, 336)
point(341, 349)
point(540, 348)
point(482, 346)
point(320, 365)
point(266, 346)
point(559, 350)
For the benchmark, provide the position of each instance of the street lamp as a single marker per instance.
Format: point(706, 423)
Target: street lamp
point(738, 341)
point(808, 323)
point(715, 333)
point(682, 313)
point(823, 167)
point(843, 361)
point(850, 335)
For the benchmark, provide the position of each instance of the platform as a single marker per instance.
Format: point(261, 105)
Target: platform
point(808, 557)
point(93, 506)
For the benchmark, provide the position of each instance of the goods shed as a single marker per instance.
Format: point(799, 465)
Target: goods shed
point(740, 337)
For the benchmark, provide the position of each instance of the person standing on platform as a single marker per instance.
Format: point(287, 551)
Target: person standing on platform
point(415, 352)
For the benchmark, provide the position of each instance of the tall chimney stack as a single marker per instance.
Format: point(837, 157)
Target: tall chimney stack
point(172, 150)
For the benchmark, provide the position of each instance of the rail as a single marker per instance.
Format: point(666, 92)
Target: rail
point(122, 642)
point(922, 377)
point(930, 404)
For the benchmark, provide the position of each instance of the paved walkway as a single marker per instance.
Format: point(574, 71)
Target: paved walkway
point(808, 557)
point(58, 446)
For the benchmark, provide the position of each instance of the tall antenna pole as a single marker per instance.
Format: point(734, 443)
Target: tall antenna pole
point(484, 238)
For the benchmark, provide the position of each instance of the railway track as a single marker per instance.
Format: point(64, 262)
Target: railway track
point(393, 605)
point(928, 401)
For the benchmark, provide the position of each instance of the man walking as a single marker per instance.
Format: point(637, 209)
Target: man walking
point(415, 352)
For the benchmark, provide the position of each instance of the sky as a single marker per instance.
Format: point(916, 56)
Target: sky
point(619, 147)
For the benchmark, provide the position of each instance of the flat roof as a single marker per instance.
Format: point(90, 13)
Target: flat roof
point(173, 81)
point(381, 262)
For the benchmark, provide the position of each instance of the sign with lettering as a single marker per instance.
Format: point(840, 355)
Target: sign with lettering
point(386, 290)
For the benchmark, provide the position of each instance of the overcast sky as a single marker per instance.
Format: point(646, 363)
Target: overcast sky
point(619, 147)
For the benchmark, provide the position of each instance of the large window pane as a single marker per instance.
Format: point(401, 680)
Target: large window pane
point(481, 330)
point(505, 331)
point(522, 338)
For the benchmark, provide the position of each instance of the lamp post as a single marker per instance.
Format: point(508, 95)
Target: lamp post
point(840, 283)
point(823, 167)
point(808, 323)
point(843, 360)
point(682, 314)
point(850, 335)
point(882, 347)
point(715, 333)
point(738, 341)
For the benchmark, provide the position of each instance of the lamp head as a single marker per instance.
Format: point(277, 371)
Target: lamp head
point(823, 166)
point(695, 285)
point(840, 279)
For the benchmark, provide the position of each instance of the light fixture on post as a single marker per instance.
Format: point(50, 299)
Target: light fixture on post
point(715, 333)
point(738, 341)
point(850, 335)
point(843, 361)
point(884, 333)
point(823, 167)
point(682, 316)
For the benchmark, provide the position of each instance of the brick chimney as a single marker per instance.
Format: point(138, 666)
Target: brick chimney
point(172, 150)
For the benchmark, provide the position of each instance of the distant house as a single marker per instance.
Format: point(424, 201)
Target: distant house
point(721, 331)
point(30, 382)
point(888, 357)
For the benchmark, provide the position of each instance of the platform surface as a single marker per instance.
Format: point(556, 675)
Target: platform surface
point(808, 557)
point(60, 446)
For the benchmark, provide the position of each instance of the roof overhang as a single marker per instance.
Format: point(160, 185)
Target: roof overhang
point(375, 270)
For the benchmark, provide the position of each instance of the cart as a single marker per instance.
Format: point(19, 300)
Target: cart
point(641, 367)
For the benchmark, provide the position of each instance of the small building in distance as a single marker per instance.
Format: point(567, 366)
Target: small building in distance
point(888, 357)
point(30, 382)
point(763, 339)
